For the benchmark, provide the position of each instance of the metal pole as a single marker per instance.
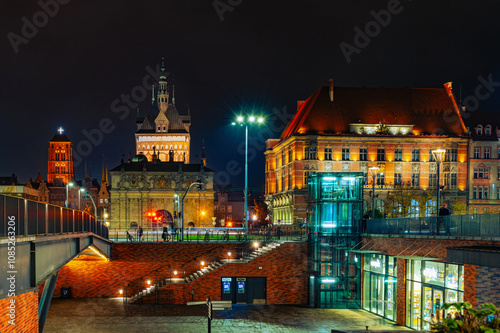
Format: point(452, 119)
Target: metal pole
point(373, 195)
point(246, 181)
point(79, 199)
point(439, 189)
point(67, 195)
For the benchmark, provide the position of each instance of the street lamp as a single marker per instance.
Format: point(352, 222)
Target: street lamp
point(80, 198)
point(438, 155)
point(373, 173)
point(242, 121)
point(70, 184)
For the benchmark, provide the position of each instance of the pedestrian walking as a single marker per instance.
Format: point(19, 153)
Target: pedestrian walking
point(444, 211)
point(139, 233)
point(165, 233)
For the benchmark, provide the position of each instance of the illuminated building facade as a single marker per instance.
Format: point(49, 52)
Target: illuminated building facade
point(163, 134)
point(351, 129)
point(60, 164)
point(484, 165)
point(140, 188)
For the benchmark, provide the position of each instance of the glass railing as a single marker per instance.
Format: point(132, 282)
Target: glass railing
point(478, 225)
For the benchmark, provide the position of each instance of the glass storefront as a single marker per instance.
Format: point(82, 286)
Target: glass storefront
point(430, 284)
point(379, 285)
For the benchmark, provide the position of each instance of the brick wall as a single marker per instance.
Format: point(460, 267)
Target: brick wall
point(26, 313)
point(487, 286)
point(401, 292)
point(90, 276)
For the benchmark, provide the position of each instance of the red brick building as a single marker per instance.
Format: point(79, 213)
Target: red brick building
point(351, 129)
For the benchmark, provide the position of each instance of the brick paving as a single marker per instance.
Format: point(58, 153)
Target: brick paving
point(96, 315)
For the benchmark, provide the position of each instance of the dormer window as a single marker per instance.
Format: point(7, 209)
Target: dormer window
point(479, 130)
point(487, 130)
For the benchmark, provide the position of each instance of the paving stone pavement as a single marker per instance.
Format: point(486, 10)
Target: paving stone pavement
point(109, 315)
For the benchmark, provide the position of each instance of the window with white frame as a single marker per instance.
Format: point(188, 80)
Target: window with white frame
point(487, 130)
point(474, 193)
point(479, 130)
point(486, 190)
point(453, 180)
point(363, 154)
point(480, 192)
point(477, 152)
point(487, 153)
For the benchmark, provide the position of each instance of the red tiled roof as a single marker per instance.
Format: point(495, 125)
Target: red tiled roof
point(431, 111)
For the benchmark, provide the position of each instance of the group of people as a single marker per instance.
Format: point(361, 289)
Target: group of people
point(435, 321)
point(164, 235)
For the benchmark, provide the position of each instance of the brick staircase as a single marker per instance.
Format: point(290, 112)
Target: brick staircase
point(204, 271)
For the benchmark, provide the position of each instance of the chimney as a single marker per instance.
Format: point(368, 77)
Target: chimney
point(331, 90)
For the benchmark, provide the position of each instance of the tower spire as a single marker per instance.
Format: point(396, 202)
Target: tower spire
point(173, 94)
point(203, 156)
point(104, 172)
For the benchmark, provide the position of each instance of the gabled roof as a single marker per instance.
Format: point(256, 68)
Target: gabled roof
point(429, 110)
point(60, 138)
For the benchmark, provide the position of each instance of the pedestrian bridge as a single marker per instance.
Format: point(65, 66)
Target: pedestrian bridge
point(37, 239)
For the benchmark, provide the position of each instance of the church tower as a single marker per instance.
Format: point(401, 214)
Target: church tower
point(60, 158)
point(163, 134)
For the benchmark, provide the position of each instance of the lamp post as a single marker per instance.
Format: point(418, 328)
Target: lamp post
point(181, 214)
point(373, 173)
point(80, 198)
point(245, 121)
point(93, 203)
point(70, 184)
point(438, 155)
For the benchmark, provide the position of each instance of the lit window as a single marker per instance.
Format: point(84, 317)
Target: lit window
point(345, 154)
point(398, 154)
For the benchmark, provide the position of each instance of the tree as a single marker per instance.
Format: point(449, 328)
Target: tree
point(399, 201)
point(261, 211)
point(485, 318)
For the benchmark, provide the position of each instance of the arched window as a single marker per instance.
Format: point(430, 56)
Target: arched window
point(487, 130)
point(479, 130)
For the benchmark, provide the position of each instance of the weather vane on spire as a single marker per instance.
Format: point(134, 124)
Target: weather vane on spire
point(60, 130)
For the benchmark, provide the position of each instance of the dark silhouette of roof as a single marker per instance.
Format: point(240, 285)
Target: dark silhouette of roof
point(484, 118)
point(60, 138)
point(429, 110)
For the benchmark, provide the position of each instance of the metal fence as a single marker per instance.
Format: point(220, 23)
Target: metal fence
point(479, 225)
point(26, 217)
point(210, 235)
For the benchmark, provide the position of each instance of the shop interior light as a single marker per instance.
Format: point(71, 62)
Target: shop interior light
point(327, 280)
point(329, 178)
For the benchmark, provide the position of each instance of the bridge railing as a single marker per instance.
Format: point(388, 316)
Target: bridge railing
point(476, 225)
point(26, 217)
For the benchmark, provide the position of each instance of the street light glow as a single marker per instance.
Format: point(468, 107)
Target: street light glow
point(251, 119)
point(240, 119)
point(260, 120)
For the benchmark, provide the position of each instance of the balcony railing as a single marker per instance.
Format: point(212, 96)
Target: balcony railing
point(26, 217)
point(478, 225)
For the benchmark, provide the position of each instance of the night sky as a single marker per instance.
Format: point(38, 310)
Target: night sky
point(259, 56)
